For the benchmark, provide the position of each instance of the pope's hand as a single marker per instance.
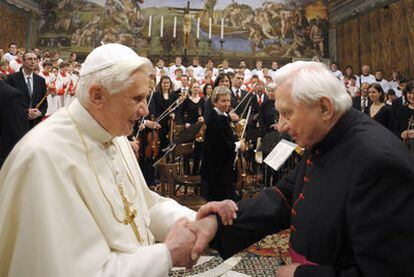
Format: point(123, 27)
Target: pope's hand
point(180, 242)
point(205, 229)
point(226, 209)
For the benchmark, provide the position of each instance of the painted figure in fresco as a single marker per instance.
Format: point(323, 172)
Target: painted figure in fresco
point(209, 7)
point(316, 35)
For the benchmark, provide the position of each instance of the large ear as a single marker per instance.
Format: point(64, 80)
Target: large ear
point(96, 95)
point(327, 108)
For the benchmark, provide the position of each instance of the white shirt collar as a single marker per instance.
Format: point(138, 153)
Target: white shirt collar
point(219, 112)
point(88, 124)
point(25, 75)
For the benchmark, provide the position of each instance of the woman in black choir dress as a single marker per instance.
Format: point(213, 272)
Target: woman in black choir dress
point(220, 144)
point(192, 111)
point(405, 117)
point(377, 109)
point(163, 98)
point(148, 138)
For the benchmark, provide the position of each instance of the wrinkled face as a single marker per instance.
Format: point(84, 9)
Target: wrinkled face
point(238, 80)
point(373, 94)
point(303, 122)
point(222, 103)
point(122, 110)
point(410, 97)
point(30, 61)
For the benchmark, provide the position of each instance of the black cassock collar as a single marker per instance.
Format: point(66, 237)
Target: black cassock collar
point(337, 133)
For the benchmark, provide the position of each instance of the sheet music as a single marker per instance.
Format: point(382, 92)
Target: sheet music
point(280, 153)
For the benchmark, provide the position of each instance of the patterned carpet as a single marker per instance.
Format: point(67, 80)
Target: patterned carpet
point(259, 260)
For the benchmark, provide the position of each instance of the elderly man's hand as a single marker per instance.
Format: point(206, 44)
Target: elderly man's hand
point(180, 242)
point(226, 209)
point(287, 270)
point(205, 229)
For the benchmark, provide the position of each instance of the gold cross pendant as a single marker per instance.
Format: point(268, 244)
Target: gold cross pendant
point(129, 214)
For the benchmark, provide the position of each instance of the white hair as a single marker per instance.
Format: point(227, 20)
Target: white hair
point(310, 81)
point(219, 91)
point(114, 79)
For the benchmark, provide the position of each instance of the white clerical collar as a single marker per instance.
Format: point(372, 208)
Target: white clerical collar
point(88, 124)
point(220, 112)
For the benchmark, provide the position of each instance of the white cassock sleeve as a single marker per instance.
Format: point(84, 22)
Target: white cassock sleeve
point(48, 230)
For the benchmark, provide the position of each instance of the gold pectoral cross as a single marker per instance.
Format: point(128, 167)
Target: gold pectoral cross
point(129, 214)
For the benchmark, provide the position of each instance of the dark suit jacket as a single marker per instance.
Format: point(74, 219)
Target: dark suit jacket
point(13, 118)
point(356, 103)
point(235, 101)
point(17, 80)
point(218, 157)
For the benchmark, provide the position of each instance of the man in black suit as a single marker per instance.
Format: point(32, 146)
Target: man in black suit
point(238, 94)
point(32, 86)
point(361, 102)
point(13, 118)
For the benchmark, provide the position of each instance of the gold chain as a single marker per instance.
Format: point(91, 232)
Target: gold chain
point(129, 214)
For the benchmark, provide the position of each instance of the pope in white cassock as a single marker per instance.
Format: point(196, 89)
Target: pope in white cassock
point(73, 201)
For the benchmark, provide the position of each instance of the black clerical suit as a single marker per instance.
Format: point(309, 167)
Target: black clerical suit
point(218, 159)
point(39, 89)
point(349, 204)
point(13, 118)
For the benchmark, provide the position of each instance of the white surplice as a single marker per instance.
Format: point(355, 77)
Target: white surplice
point(56, 219)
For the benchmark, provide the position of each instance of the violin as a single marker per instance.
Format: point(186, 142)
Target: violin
point(152, 148)
point(200, 134)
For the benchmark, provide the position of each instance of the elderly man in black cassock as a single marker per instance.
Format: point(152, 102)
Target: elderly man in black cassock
point(348, 203)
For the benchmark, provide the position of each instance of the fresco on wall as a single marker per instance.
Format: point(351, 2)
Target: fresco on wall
point(283, 28)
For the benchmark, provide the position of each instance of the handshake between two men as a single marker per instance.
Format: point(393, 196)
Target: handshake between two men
point(186, 240)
